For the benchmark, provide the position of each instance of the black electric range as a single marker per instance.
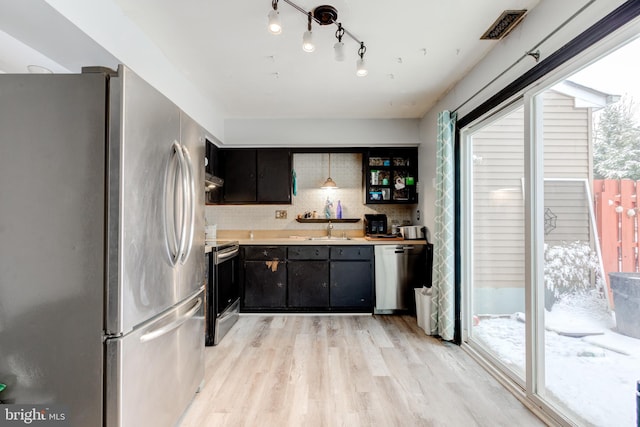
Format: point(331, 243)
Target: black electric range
point(223, 290)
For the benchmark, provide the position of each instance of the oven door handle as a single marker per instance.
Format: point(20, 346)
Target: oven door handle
point(223, 256)
point(228, 313)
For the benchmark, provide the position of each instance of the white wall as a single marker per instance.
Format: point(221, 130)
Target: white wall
point(508, 57)
point(322, 132)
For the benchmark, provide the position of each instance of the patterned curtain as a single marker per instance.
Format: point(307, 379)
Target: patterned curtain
point(443, 291)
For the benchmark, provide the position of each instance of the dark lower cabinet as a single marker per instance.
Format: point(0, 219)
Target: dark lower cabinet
point(351, 284)
point(351, 277)
point(308, 284)
point(307, 278)
point(265, 284)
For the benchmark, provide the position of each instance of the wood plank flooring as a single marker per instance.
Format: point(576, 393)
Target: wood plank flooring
point(346, 371)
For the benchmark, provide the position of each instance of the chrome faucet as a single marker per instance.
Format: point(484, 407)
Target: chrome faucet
point(329, 228)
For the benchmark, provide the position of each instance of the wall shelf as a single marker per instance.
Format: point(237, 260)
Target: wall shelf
point(321, 220)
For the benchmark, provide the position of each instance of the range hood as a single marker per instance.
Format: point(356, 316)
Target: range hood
point(212, 181)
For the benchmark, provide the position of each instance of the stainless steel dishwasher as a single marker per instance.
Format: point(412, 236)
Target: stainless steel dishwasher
point(399, 268)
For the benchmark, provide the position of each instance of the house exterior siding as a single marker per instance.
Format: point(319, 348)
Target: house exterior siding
point(498, 202)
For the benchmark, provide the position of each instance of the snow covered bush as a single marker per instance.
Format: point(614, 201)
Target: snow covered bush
point(569, 268)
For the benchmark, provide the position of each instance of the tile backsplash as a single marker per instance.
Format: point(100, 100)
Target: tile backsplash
point(311, 170)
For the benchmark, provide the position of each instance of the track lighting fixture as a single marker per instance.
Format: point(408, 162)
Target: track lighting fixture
point(323, 15)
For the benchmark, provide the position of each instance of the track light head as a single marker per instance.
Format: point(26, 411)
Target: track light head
point(338, 49)
point(307, 42)
point(274, 18)
point(307, 37)
point(361, 67)
point(274, 22)
point(339, 46)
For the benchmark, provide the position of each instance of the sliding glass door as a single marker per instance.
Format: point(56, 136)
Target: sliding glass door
point(550, 209)
point(496, 220)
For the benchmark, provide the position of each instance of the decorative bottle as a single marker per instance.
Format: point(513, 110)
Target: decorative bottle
point(339, 210)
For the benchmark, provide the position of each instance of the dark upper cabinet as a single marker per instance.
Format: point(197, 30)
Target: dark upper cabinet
point(239, 174)
point(391, 176)
point(256, 176)
point(212, 167)
point(212, 163)
point(274, 176)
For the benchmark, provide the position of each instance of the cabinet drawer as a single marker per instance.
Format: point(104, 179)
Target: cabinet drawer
point(308, 252)
point(268, 253)
point(352, 252)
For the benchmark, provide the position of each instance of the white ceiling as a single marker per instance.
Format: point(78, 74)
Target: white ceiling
point(416, 51)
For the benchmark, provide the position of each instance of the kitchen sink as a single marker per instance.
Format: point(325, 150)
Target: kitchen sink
point(327, 238)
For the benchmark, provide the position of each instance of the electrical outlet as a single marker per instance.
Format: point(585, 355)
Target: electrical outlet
point(281, 214)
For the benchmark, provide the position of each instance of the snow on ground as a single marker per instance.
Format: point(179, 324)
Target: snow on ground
point(582, 374)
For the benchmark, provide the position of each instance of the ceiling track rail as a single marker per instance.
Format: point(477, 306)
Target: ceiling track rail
point(533, 52)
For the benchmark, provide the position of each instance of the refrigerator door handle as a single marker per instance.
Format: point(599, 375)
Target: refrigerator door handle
point(168, 203)
point(190, 194)
point(171, 213)
point(157, 333)
point(183, 202)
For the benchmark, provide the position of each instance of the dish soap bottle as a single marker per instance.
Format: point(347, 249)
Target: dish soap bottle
point(327, 208)
point(339, 210)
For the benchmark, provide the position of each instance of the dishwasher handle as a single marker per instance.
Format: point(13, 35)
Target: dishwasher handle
point(403, 248)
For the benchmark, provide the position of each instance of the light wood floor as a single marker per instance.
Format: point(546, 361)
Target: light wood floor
point(346, 371)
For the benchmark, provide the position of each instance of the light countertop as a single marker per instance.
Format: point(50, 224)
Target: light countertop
point(301, 240)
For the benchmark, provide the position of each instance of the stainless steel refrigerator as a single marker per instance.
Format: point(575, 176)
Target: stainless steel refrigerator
point(101, 248)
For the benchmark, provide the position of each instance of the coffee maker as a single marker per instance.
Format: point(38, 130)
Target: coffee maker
point(375, 224)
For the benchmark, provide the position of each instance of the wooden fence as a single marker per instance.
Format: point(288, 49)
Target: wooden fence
point(616, 211)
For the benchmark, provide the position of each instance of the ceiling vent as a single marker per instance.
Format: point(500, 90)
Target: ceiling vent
point(506, 22)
